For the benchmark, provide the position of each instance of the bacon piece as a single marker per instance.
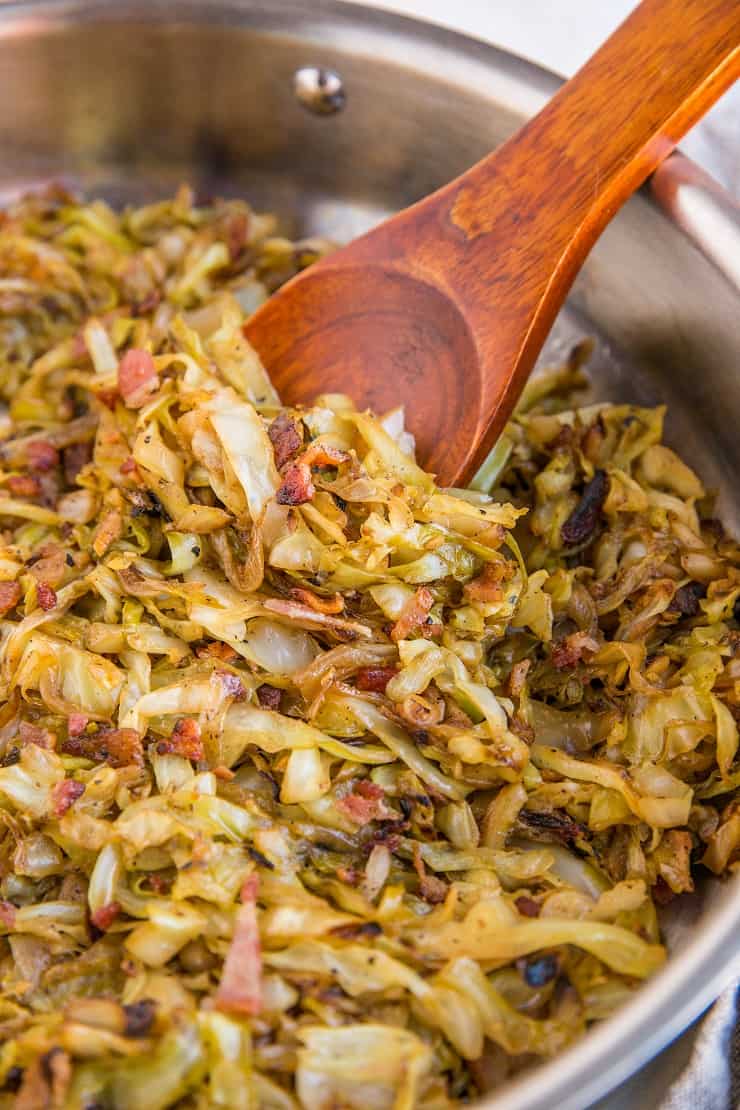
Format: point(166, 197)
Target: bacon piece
point(268, 696)
point(10, 595)
point(224, 773)
point(104, 917)
point(233, 685)
point(109, 530)
point(185, 740)
point(128, 466)
point(74, 458)
point(414, 614)
point(240, 989)
point(297, 487)
point(216, 650)
point(330, 605)
point(120, 747)
point(365, 803)
point(323, 454)
point(236, 233)
point(29, 733)
point(569, 651)
point(488, 586)
point(46, 596)
point(77, 723)
point(528, 907)
point(374, 679)
point(137, 378)
point(285, 437)
point(41, 455)
point(517, 677)
point(23, 485)
point(65, 794)
point(7, 914)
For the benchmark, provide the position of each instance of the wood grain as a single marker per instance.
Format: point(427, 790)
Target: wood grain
point(444, 308)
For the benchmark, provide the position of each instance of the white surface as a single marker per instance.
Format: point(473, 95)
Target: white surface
point(560, 35)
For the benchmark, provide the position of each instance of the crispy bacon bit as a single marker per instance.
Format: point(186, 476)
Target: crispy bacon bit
point(23, 485)
point(74, 458)
point(330, 605)
point(46, 596)
point(528, 907)
point(488, 586)
point(65, 794)
point(569, 651)
point(286, 439)
point(10, 595)
point(517, 677)
point(139, 1017)
point(365, 803)
point(583, 520)
point(128, 466)
point(374, 679)
point(297, 487)
point(216, 650)
point(233, 685)
point(41, 455)
point(240, 989)
point(160, 884)
point(104, 917)
point(77, 723)
point(109, 530)
point(414, 614)
point(33, 734)
point(120, 747)
point(185, 740)
point(236, 233)
point(268, 696)
point(224, 773)
point(137, 378)
point(323, 454)
point(7, 914)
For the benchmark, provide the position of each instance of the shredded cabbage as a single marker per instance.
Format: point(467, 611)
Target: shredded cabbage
point(321, 786)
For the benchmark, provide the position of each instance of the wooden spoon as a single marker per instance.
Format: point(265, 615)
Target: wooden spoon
point(444, 307)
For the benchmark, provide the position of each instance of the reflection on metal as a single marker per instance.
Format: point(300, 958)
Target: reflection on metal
point(319, 90)
point(708, 215)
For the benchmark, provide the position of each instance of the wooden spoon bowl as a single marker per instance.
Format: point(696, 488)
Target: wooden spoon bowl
point(444, 307)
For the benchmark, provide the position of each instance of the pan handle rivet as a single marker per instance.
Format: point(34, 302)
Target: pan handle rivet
point(320, 90)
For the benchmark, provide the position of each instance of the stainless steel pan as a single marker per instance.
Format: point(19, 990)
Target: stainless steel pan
point(129, 98)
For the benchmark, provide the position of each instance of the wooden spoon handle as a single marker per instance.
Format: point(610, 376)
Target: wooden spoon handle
point(523, 219)
point(601, 135)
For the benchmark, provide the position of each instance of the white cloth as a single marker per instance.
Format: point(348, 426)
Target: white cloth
point(711, 1080)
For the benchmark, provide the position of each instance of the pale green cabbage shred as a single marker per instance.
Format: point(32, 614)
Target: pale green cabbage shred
point(320, 786)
